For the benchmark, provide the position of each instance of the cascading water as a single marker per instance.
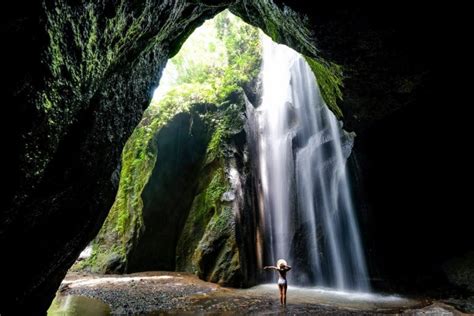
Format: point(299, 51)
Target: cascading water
point(307, 207)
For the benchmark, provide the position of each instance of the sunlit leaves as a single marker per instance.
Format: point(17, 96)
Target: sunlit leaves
point(217, 58)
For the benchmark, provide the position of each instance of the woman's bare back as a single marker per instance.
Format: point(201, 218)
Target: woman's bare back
point(282, 269)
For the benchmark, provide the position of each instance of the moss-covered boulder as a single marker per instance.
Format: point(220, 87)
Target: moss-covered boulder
point(207, 245)
point(206, 204)
point(184, 212)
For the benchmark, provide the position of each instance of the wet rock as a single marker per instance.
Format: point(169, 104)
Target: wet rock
point(114, 264)
point(228, 196)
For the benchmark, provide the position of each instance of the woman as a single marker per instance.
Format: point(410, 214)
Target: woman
point(282, 267)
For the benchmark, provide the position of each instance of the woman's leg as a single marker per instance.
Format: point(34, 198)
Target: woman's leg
point(285, 287)
point(281, 288)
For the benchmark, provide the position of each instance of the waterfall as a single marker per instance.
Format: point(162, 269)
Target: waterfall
point(309, 217)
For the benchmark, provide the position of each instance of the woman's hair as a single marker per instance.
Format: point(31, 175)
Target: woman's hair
point(281, 263)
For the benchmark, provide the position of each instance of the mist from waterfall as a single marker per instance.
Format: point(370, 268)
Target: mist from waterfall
point(309, 217)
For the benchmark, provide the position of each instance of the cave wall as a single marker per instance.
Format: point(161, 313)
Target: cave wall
point(417, 222)
point(78, 74)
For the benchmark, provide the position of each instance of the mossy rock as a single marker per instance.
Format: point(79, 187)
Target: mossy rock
point(216, 257)
point(205, 205)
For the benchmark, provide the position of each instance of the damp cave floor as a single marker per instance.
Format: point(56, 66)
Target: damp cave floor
point(161, 293)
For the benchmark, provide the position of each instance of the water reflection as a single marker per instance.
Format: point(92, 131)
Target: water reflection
point(72, 305)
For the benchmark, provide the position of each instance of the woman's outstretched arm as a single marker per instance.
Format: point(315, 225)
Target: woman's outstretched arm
point(270, 267)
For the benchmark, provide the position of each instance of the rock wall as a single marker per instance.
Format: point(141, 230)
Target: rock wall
point(79, 76)
point(415, 220)
point(167, 196)
point(193, 198)
point(195, 192)
point(207, 245)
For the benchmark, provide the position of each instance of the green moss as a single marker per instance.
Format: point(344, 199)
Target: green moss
point(205, 205)
point(285, 26)
point(226, 270)
point(227, 121)
point(216, 188)
point(222, 220)
point(213, 150)
point(329, 78)
point(100, 258)
point(89, 263)
point(272, 30)
point(123, 221)
point(279, 22)
point(213, 254)
point(47, 103)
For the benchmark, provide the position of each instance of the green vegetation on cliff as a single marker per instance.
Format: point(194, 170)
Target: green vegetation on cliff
point(329, 78)
point(285, 26)
point(205, 205)
point(212, 66)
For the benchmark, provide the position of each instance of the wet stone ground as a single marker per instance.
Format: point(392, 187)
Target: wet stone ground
point(162, 293)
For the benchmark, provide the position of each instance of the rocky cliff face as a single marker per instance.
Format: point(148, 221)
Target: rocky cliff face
point(191, 199)
point(78, 74)
point(168, 195)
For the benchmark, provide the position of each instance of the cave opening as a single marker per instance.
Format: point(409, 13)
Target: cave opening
point(80, 74)
point(193, 181)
